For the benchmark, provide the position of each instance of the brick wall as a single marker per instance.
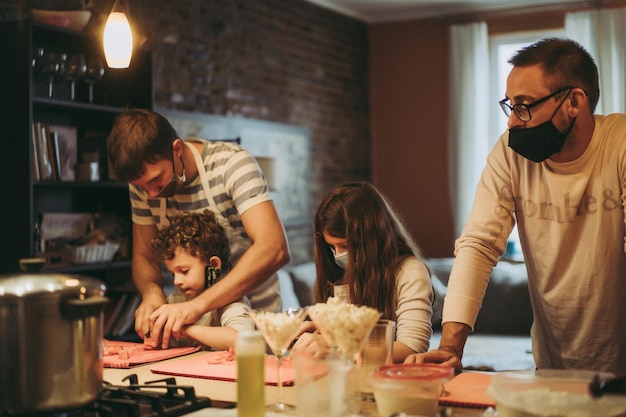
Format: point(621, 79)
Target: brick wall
point(278, 60)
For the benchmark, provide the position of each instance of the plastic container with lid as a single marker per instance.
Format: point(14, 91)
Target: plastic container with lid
point(551, 392)
point(410, 389)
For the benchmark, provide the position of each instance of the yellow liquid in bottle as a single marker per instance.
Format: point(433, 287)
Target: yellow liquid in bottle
point(251, 385)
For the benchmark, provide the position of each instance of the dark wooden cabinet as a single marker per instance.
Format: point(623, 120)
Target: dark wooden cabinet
point(24, 100)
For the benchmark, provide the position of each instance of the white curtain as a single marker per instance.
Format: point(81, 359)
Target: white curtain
point(469, 114)
point(603, 34)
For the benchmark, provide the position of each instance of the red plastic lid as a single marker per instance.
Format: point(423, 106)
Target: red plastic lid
point(413, 372)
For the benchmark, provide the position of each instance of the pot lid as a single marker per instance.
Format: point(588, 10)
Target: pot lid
point(26, 285)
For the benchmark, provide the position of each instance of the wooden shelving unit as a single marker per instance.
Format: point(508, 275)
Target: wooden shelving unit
point(24, 100)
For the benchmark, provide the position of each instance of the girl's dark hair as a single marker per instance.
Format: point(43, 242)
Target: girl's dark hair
point(198, 233)
point(565, 62)
point(138, 137)
point(377, 244)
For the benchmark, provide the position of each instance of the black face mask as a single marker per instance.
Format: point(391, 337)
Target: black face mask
point(539, 142)
point(175, 184)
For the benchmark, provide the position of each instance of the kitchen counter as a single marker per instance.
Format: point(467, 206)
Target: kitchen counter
point(223, 392)
point(216, 390)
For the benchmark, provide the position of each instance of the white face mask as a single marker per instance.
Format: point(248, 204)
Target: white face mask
point(341, 259)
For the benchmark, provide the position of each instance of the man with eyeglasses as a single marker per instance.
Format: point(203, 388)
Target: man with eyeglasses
point(560, 173)
point(169, 176)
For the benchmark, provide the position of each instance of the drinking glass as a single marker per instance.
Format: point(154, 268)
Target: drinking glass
point(321, 384)
point(279, 330)
point(377, 351)
point(94, 72)
point(76, 67)
point(346, 338)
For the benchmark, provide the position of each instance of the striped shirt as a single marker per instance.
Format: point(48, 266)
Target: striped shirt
point(236, 184)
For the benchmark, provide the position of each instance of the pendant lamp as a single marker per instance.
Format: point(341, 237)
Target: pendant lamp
point(118, 38)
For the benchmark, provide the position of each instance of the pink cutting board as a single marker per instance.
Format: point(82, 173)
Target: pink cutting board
point(118, 354)
point(468, 389)
point(211, 365)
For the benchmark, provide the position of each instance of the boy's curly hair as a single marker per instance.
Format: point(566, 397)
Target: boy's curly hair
point(198, 233)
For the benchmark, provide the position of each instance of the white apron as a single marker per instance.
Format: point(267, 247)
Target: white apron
point(265, 297)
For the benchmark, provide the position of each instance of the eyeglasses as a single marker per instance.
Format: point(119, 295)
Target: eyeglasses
point(522, 111)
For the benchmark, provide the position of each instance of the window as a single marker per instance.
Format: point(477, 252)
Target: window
point(501, 49)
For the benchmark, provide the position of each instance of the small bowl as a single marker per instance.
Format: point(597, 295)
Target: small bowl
point(409, 389)
point(32, 264)
point(70, 19)
point(551, 392)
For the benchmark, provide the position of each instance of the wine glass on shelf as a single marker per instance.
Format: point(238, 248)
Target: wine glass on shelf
point(61, 58)
point(38, 55)
point(76, 67)
point(279, 330)
point(52, 67)
point(38, 62)
point(93, 73)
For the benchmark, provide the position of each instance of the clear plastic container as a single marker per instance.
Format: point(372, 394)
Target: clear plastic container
point(556, 392)
point(409, 389)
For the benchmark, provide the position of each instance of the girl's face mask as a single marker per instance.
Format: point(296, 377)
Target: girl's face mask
point(341, 259)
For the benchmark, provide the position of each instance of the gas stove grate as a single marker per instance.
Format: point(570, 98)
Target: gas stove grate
point(159, 398)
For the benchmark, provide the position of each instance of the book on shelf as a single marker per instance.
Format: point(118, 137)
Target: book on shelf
point(54, 152)
point(67, 153)
point(35, 153)
point(41, 149)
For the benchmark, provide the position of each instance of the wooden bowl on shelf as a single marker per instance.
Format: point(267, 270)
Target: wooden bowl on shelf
point(67, 19)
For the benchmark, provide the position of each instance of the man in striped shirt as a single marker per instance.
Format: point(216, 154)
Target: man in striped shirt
point(169, 176)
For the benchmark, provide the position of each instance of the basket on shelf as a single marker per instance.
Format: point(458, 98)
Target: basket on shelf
point(89, 254)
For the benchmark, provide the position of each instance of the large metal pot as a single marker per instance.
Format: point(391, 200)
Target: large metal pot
point(50, 341)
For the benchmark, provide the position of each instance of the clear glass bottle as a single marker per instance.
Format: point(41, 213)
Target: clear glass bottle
point(250, 350)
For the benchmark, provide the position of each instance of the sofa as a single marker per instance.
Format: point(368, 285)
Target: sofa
point(500, 340)
point(296, 285)
point(506, 307)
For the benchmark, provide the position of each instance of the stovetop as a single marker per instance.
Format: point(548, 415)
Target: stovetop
point(158, 398)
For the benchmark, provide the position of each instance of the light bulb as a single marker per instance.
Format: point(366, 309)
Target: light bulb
point(118, 41)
